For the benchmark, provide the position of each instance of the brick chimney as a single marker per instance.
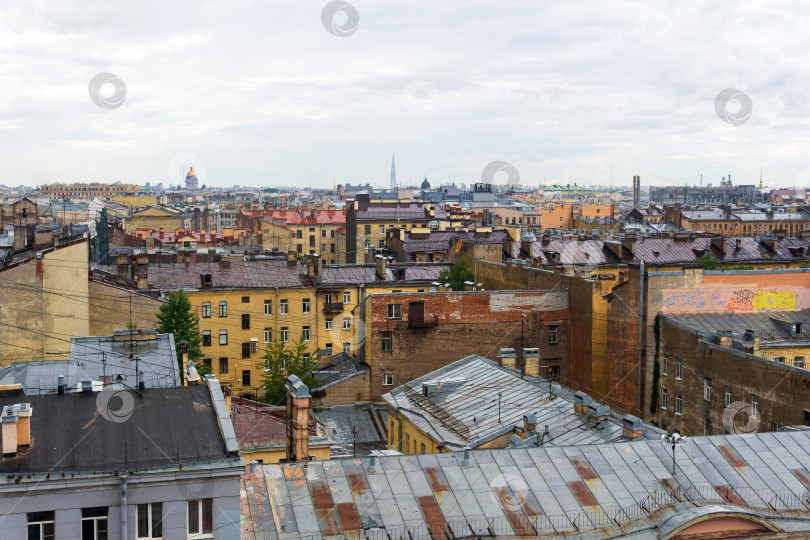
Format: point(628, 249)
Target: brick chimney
point(632, 427)
point(507, 357)
point(9, 430)
point(380, 261)
point(24, 411)
point(531, 362)
point(298, 398)
point(724, 338)
point(582, 402)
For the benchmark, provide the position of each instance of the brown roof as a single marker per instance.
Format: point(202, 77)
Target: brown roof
point(259, 424)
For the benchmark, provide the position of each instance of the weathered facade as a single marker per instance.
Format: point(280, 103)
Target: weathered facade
point(411, 334)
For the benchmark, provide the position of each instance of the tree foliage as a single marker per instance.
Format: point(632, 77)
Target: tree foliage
point(457, 275)
point(282, 360)
point(710, 262)
point(176, 317)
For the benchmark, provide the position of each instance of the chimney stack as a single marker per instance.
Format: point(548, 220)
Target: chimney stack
point(9, 430)
point(61, 384)
point(724, 338)
point(24, 411)
point(632, 427)
point(582, 402)
point(298, 398)
point(531, 362)
point(380, 261)
point(317, 264)
point(507, 357)
point(529, 423)
point(141, 384)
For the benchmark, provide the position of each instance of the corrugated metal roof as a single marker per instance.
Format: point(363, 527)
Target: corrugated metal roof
point(622, 488)
point(356, 429)
point(773, 325)
point(367, 273)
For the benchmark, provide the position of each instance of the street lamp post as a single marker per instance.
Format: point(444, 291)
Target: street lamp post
point(675, 440)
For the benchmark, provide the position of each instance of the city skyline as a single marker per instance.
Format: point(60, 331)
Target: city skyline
point(582, 94)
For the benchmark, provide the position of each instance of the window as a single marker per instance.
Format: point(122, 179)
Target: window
point(707, 389)
point(268, 307)
point(394, 311)
point(245, 321)
point(552, 335)
point(299, 248)
point(391, 435)
point(347, 298)
point(755, 405)
point(223, 366)
point(382, 229)
point(678, 404)
point(407, 442)
point(728, 396)
point(799, 362)
point(299, 234)
point(327, 298)
point(347, 347)
point(347, 323)
point(707, 426)
point(206, 310)
point(332, 249)
point(207, 363)
point(94, 523)
point(223, 337)
point(206, 338)
point(283, 307)
point(245, 377)
point(268, 335)
point(150, 520)
point(368, 229)
point(381, 244)
point(423, 450)
point(388, 379)
point(664, 398)
point(323, 248)
point(305, 333)
point(328, 323)
point(223, 309)
point(284, 334)
point(201, 513)
point(305, 305)
point(246, 350)
point(807, 418)
point(664, 366)
point(780, 359)
point(245, 299)
point(678, 368)
point(41, 525)
point(387, 341)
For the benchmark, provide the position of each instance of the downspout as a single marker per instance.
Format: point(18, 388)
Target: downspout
point(124, 530)
point(640, 335)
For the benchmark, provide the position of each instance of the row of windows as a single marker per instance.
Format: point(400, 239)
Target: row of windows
point(284, 334)
point(283, 306)
point(149, 523)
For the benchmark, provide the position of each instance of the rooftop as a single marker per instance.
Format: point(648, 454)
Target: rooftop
point(478, 401)
point(367, 273)
point(608, 490)
point(779, 327)
point(102, 356)
point(259, 425)
point(110, 431)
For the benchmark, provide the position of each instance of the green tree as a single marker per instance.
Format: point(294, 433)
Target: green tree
point(710, 262)
point(282, 360)
point(457, 275)
point(176, 317)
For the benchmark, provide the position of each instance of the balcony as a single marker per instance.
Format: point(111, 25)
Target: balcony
point(333, 307)
point(423, 322)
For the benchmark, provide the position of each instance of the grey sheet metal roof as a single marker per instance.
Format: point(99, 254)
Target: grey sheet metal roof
point(483, 401)
point(360, 423)
point(367, 273)
point(93, 357)
point(771, 324)
point(619, 489)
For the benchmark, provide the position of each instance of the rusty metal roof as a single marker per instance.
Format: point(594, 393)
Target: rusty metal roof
point(616, 489)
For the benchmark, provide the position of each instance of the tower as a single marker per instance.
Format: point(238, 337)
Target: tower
point(760, 177)
point(393, 173)
point(636, 191)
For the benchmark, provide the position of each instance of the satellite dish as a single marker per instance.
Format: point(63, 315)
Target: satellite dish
point(748, 340)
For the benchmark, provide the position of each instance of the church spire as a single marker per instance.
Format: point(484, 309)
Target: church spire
point(393, 173)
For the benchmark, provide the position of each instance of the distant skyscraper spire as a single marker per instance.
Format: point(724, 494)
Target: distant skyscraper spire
point(760, 176)
point(393, 173)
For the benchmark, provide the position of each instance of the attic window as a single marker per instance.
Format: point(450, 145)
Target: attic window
point(656, 253)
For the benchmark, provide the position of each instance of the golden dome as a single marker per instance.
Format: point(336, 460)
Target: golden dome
point(191, 172)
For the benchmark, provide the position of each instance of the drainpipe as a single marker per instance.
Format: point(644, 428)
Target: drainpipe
point(124, 530)
point(641, 328)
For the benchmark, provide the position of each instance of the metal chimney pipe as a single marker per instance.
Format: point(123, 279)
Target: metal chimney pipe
point(141, 384)
point(254, 466)
point(61, 384)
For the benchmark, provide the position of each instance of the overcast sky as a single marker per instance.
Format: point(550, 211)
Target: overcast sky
point(260, 92)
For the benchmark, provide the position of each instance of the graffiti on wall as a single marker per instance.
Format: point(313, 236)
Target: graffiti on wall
point(735, 298)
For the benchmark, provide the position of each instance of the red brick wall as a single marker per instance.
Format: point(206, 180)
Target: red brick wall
point(468, 323)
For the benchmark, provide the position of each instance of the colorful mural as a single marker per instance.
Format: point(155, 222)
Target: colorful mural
point(732, 298)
